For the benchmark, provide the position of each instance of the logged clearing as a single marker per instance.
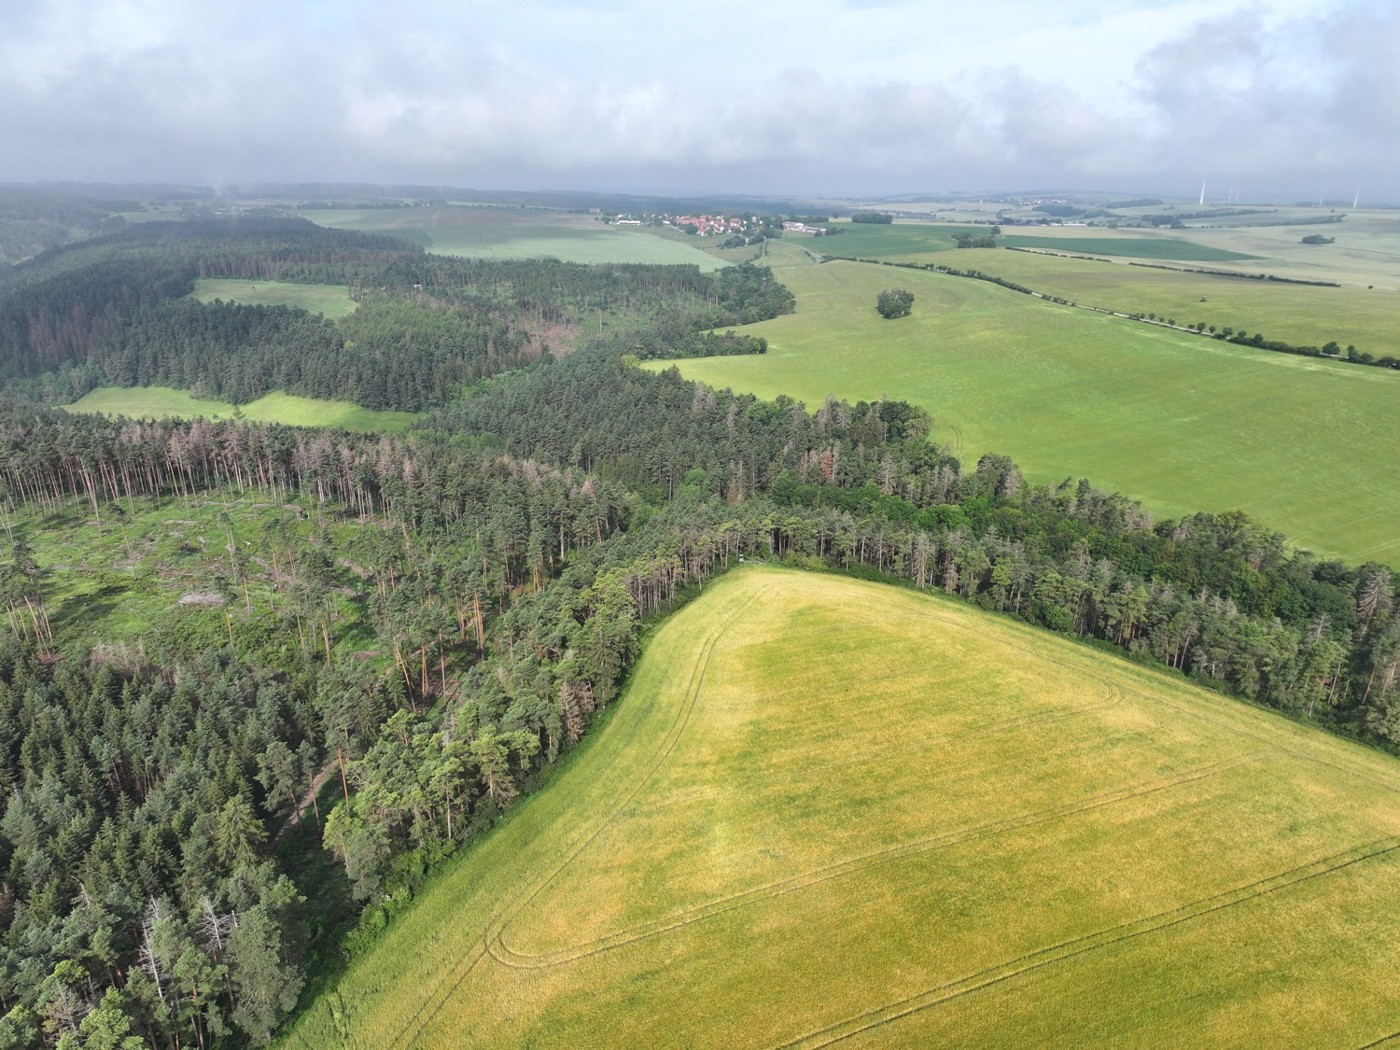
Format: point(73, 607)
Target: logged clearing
point(162, 575)
point(519, 233)
point(830, 810)
point(331, 300)
point(163, 402)
point(1183, 423)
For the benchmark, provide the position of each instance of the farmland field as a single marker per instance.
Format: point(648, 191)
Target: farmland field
point(1181, 422)
point(876, 241)
point(332, 300)
point(1297, 314)
point(909, 241)
point(989, 836)
point(1166, 248)
point(1365, 252)
point(159, 402)
point(514, 233)
point(1366, 249)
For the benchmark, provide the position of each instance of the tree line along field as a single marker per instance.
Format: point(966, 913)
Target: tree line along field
point(513, 233)
point(990, 836)
point(1181, 422)
point(156, 402)
point(1302, 315)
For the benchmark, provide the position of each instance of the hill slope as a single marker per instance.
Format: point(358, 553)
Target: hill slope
point(829, 809)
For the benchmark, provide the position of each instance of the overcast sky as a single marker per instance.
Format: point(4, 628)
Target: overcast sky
point(1282, 99)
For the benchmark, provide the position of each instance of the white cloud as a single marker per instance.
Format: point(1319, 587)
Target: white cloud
point(822, 95)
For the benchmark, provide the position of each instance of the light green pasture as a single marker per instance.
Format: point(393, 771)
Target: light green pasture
point(901, 240)
point(517, 233)
point(1157, 247)
point(913, 241)
point(835, 811)
point(1303, 315)
point(1366, 249)
point(1183, 423)
point(160, 402)
point(332, 300)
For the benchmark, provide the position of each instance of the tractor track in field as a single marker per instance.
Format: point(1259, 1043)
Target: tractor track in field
point(507, 956)
point(437, 998)
point(1393, 1037)
point(497, 947)
point(493, 944)
point(1070, 949)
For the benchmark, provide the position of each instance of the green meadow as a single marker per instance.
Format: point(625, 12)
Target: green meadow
point(986, 836)
point(160, 402)
point(332, 300)
point(518, 233)
point(1183, 423)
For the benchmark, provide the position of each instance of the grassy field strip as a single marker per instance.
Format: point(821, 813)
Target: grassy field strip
point(1173, 249)
point(491, 936)
point(331, 300)
point(766, 846)
point(516, 233)
point(909, 241)
point(163, 402)
point(504, 954)
point(1014, 968)
point(1182, 423)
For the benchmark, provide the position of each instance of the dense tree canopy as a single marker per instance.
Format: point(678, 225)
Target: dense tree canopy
point(894, 302)
point(113, 311)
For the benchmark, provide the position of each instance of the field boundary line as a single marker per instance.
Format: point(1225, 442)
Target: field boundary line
point(1070, 949)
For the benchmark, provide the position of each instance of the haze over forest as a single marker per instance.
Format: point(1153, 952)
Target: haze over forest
point(1279, 99)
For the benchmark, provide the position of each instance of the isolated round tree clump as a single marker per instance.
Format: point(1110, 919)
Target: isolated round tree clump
point(894, 302)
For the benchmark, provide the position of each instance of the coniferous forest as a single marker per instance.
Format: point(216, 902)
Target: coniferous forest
point(195, 827)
